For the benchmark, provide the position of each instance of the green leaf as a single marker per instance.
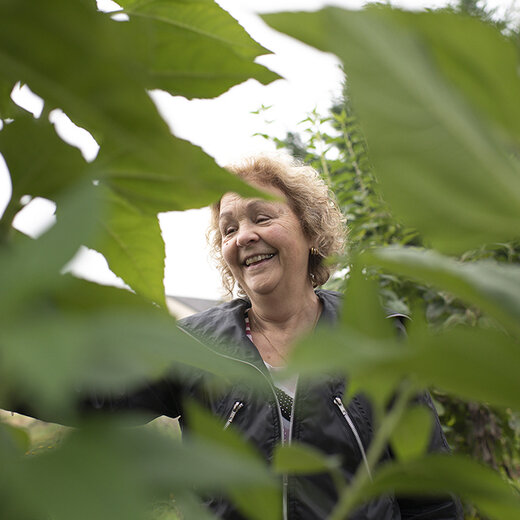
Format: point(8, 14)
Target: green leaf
point(7, 107)
point(493, 287)
point(18, 436)
point(46, 167)
point(411, 437)
point(442, 167)
point(472, 363)
point(109, 350)
point(442, 474)
point(301, 459)
point(29, 267)
point(257, 502)
point(195, 49)
point(466, 49)
point(124, 469)
point(180, 176)
point(133, 246)
point(361, 309)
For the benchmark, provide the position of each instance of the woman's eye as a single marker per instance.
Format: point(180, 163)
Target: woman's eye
point(229, 230)
point(262, 218)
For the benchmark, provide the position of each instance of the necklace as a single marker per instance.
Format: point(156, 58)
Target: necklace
point(255, 322)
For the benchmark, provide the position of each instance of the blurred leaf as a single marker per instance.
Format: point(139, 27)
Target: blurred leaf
point(301, 459)
point(256, 502)
point(473, 363)
point(110, 351)
point(361, 309)
point(441, 166)
point(493, 287)
point(195, 49)
point(7, 107)
point(124, 469)
point(18, 436)
point(190, 507)
point(372, 365)
point(411, 437)
point(466, 51)
point(28, 267)
point(442, 474)
point(46, 167)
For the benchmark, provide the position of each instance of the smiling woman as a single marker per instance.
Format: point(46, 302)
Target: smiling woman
point(274, 252)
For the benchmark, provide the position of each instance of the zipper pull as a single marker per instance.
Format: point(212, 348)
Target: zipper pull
point(234, 410)
point(339, 403)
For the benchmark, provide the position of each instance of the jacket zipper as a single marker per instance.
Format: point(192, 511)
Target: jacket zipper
point(232, 414)
point(270, 383)
point(339, 403)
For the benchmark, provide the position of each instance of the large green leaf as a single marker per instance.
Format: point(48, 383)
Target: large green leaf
point(107, 351)
point(29, 267)
point(494, 287)
point(442, 166)
point(473, 363)
point(132, 244)
point(257, 502)
point(124, 470)
point(195, 48)
point(45, 167)
point(180, 177)
point(466, 51)
point(97, 77)
point(442, 474)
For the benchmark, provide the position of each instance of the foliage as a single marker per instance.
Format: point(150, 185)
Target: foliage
point(335, 144)
point(444, 153)
point(60, 334)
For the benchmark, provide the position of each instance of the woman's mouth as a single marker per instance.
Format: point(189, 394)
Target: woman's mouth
point(257, 259)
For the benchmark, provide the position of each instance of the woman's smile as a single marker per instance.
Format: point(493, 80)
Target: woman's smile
point(263, 245)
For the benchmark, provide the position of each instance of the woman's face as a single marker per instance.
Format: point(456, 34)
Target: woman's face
point(264, 245)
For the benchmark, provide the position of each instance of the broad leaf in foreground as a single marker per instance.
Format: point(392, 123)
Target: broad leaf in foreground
point(442, 166)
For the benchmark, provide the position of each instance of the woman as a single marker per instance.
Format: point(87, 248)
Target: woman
point(273, 250)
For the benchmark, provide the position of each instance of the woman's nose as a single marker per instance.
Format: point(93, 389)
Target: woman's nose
point(246, 235)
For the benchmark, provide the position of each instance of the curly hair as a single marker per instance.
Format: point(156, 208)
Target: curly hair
point(308, 196)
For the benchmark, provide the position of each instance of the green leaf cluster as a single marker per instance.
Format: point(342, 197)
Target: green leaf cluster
point(63, 338)
point(423, 151)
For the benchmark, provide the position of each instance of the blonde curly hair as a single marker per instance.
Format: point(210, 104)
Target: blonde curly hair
point(308, 196)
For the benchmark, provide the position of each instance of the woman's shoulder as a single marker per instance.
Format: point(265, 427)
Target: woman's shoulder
point(223, 319)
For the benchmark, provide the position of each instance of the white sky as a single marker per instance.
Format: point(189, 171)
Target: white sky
point(223, 127)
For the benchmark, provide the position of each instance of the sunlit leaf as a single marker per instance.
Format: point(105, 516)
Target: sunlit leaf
point(440, 164)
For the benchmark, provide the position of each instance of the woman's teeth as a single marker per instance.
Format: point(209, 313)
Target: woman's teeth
point(257, 258)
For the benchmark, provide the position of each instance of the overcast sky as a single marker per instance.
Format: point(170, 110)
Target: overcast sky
point(224, 128)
